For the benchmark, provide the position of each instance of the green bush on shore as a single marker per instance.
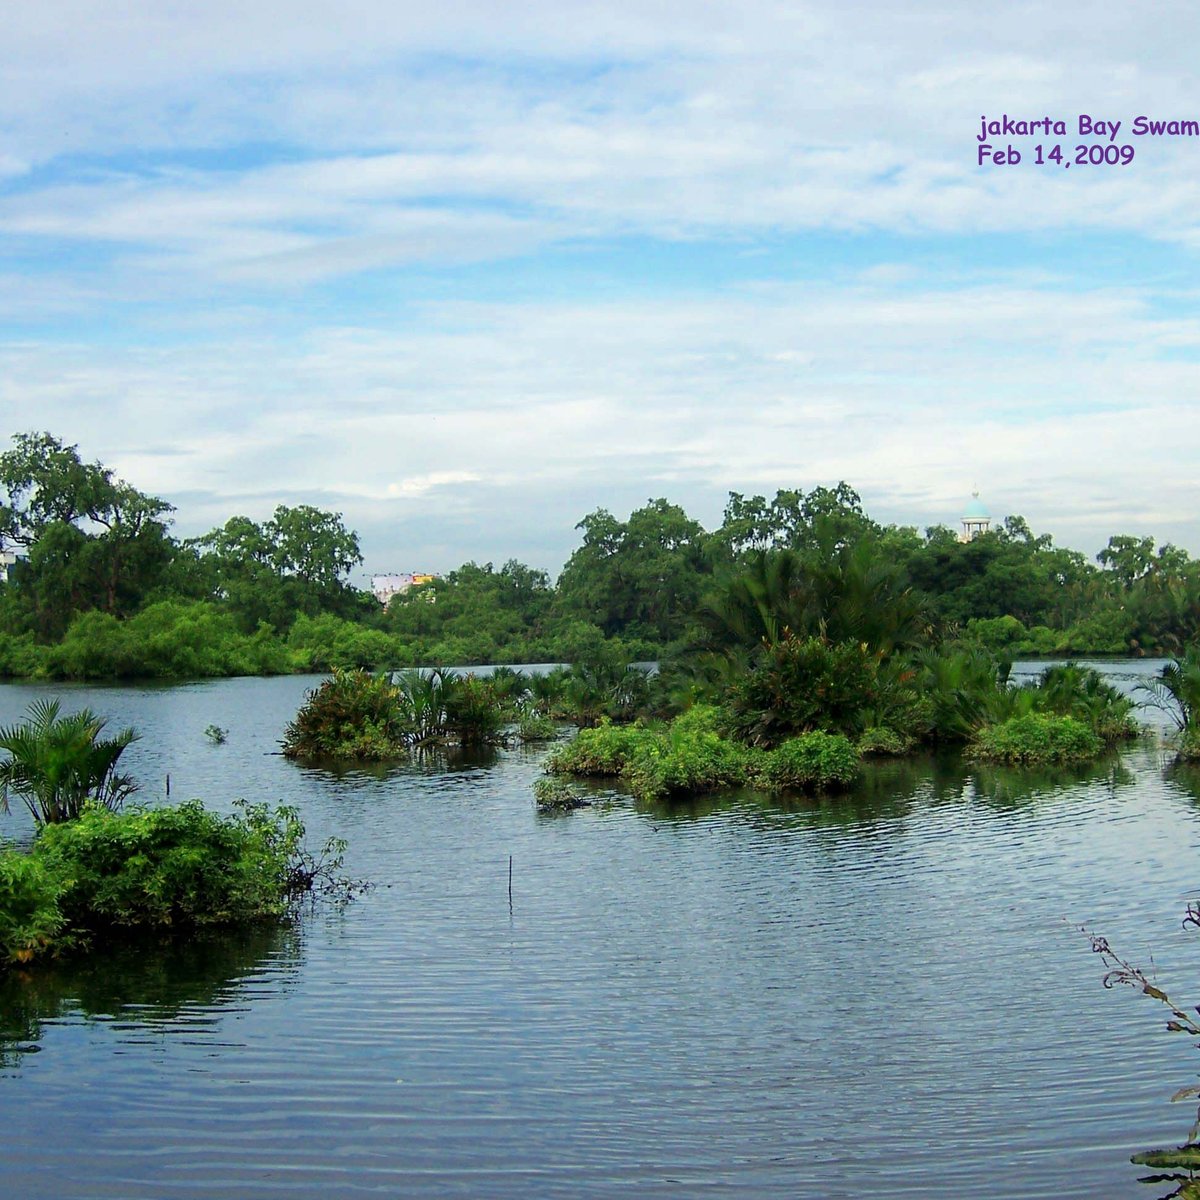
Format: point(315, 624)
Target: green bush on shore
point(168, 868)
point(1037, 738)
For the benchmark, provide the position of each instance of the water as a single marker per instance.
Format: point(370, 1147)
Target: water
point(731, 998)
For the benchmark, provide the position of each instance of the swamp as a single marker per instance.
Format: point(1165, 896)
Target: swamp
point(733, 994)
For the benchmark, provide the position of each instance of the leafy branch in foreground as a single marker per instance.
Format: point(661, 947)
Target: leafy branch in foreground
point(1180, 1162)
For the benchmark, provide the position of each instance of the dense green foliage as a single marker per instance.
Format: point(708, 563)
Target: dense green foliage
point(103, 591)
point(689, 756)
point(357, 716)
point(166, 868)
point(353, 715)
point(1037, 738)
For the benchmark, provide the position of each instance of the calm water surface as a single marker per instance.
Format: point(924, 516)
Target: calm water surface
point(732, 998)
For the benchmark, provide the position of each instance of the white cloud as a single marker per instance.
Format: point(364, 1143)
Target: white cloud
point(1038, 394)
point(190, 194)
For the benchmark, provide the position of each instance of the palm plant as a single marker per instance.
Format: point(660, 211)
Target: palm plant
point(57, 764)
point(1176, 691)
point(852, 593)
point(963, 691)
point(422, 696)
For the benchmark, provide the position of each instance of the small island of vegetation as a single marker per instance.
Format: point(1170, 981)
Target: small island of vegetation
point(95, 872)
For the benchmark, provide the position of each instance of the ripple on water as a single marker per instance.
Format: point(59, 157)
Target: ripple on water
point(731, 998)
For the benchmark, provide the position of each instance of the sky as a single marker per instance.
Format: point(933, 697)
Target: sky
point(465, 273)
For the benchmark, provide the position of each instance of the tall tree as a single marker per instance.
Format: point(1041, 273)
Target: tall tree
point(297, 562)
point(93, 541)
point(641, 577)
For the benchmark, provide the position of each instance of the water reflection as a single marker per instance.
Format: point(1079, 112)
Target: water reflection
point(1011, 787)
point(888, 790)
point(422, 760)
point(134, 986)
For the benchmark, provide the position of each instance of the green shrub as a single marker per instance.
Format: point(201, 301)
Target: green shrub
point(20, 656)
point(1037, 738)
point(168, 867)
point(353, 715)
point(802, 684)
point(811, 761)
point(604, 750)
point(30, 917)
point(883, 742)
point(685, 762)
point(472, 710)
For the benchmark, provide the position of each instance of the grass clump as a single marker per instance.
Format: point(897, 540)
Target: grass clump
point(533, 727)
point(1037, 738)
point(556, 795)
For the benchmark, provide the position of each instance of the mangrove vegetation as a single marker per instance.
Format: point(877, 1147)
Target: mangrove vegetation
point(101, 589)
point(96, 869)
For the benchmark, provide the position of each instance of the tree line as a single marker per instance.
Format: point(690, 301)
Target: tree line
point(102, 589)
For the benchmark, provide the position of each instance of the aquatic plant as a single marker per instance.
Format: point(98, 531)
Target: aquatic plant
point(812, 761)
point(164, 868)
point(555, 795)
point(961, 690)
point(472, 710)
point(58, 765)
point(532, 727)
point(603, 750)
point(1037, 738)
point(882, 742)
point(683, 761)
point(30, 916)
point(546, 690)
point(1176, 692)
point(352, 715)
point(422, 699)
point(689, 757)
point(216, 735)
point(1081, 692)
point(801, 684)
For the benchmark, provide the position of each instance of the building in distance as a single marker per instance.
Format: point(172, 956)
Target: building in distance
point(975, 520)
point(385, 587)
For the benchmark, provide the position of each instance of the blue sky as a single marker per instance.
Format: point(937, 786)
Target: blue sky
point(467, 275)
